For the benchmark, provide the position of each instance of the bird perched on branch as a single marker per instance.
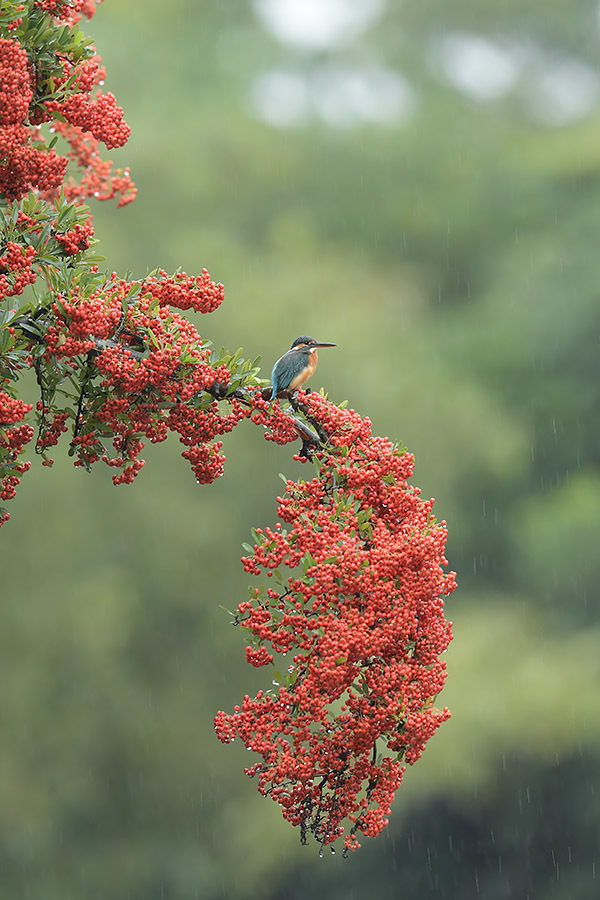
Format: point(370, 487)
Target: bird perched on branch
point(296, 366)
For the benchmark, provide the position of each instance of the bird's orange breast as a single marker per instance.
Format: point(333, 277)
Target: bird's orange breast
point(304, 375)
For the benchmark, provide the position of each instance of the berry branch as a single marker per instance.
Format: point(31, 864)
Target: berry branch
point(353, 617)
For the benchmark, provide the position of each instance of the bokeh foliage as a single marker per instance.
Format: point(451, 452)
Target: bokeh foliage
point(454, 260)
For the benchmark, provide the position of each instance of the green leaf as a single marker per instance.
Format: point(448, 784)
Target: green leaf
point(154, 339)
point(308, 562)
point(6, 340)
point(6, 315)
point(61, 306)
point(227, 610)
point(63, 36)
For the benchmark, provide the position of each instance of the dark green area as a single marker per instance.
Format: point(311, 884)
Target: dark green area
point(453, 257)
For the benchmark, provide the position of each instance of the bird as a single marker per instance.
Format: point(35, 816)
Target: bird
point(297, 365)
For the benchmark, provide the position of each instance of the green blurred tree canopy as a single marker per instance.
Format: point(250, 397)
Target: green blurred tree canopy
point(451, 254)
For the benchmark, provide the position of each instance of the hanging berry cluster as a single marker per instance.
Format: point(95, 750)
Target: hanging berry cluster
point(354, 622)
point(13, 437)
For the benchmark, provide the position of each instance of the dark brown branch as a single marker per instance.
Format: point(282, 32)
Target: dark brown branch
point(87, 375)
point(296, 404)
point(42, 425)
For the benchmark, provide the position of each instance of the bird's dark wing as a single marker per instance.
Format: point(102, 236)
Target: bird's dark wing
point(286, 369)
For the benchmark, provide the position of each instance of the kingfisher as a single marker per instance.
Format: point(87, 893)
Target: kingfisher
point(297, 365)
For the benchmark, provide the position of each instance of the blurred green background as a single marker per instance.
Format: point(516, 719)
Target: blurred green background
point(420, 183)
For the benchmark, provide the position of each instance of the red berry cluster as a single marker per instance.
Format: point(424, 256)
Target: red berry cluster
point(279, 426)
point(86, 75)
point(16, 92)
point(100, 116)
point(147, 372)
point(13, 437)
point(16, 269)
point(206, 461)
point(35, 240)
point(358, 623)
point(77, 239)
point(50, 433)
point(67, 10)
point(84, 115)
point(11, 410)
point(22, 166)
point(97, 178)
point(186, 291)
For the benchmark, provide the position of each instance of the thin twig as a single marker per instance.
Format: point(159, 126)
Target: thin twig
point(87, 375)
point(296, 404)
point(42, 425)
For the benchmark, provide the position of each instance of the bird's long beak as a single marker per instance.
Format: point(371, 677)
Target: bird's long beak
point(325, 344)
